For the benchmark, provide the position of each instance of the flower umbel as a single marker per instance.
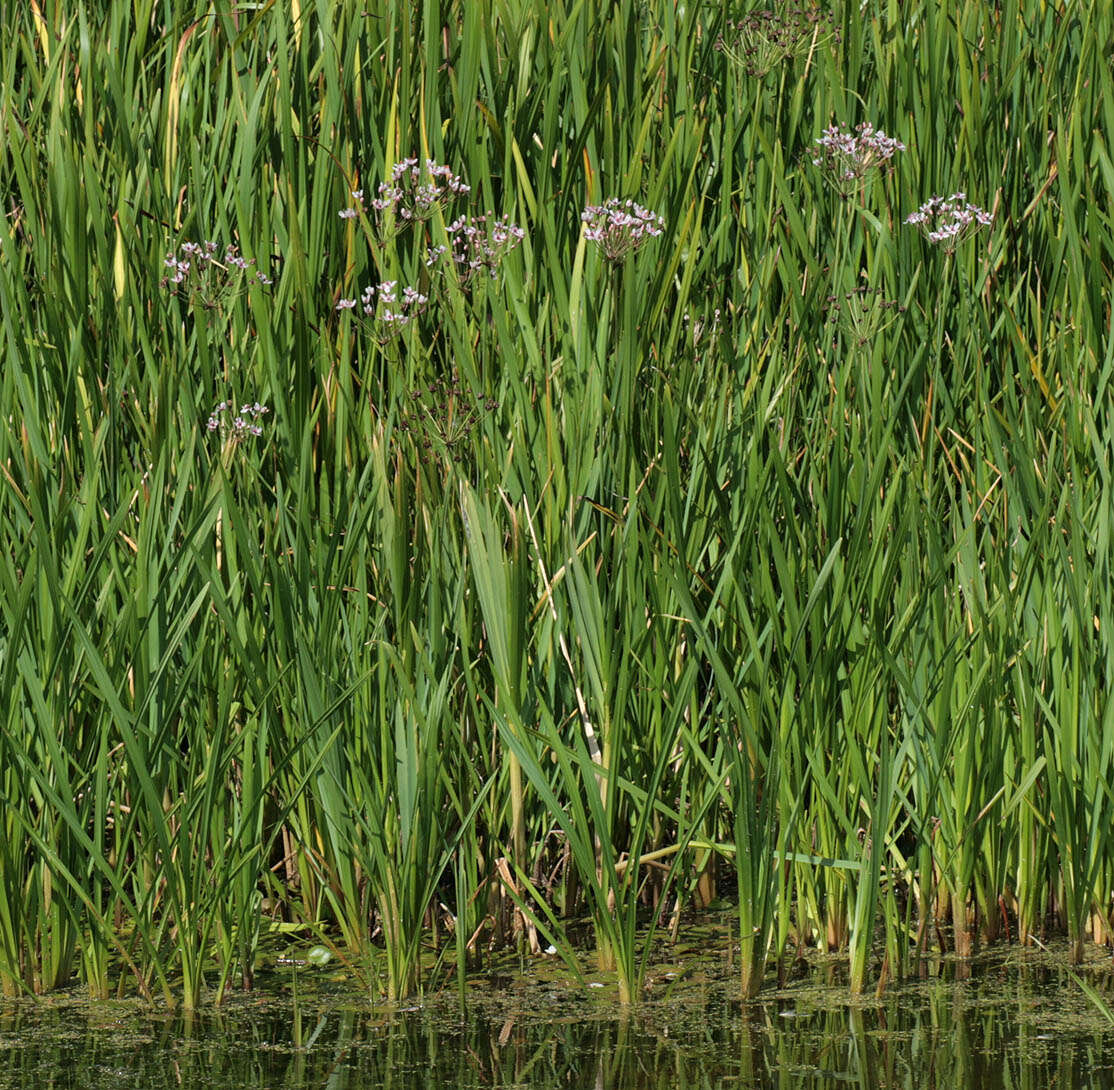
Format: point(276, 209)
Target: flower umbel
point(382, 312)
point(846, 158)
point(412, 194)
point(442, 417)
point(761, 40)
point(864, 313)
point(478, 244)
point(948, 221)
point(240, 426)
point(202, 275)
point(620, 227)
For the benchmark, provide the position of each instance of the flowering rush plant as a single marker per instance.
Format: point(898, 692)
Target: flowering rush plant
point(382, 312)
point(847, 157)
point(948, 221)
point(411, 195)
point(200, 273)
point(620, 227)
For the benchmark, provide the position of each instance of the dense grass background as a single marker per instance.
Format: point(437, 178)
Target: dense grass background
point(704, 578)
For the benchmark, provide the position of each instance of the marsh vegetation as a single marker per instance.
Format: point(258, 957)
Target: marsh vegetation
point(485, 476)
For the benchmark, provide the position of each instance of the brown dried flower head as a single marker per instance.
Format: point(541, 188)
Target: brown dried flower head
point(762, 39)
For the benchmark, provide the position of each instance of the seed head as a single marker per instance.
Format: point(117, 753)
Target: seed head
point(761, 40)
point(864, 313)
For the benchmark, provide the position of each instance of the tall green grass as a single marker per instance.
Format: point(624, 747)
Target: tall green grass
point(598, 570)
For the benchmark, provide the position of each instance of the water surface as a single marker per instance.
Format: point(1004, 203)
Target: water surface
point(1008, 1027)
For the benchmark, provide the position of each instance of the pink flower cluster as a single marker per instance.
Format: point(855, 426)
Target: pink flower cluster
point(847, 157)
point(413, 193)
point(948, 221)
point(382, 311)
point(477, 243)
point(203, 275)
point(620, 227)
point(240, 426)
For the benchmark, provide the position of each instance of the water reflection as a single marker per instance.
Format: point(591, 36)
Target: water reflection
point(942, 1036)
